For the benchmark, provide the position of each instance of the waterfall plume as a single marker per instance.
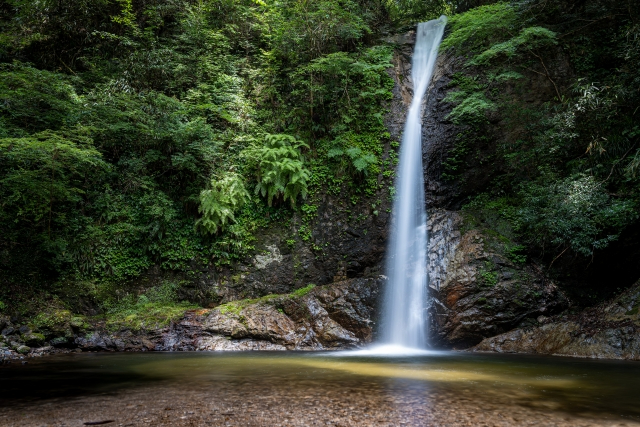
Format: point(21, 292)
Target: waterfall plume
point(404, 322)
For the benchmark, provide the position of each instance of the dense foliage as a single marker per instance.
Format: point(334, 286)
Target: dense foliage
point(566, 175)
point(136, 133)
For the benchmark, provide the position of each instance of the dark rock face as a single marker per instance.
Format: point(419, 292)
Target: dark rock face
point(438, 133)
point(345, 249)
point(439, 137)
point(608, 331)
point(477, 291)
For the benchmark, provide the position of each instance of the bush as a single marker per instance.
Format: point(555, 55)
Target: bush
point(219, 203)
point(280, 168)
point(575, 212)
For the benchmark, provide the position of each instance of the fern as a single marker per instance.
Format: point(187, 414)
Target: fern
point(218, 204)
point(471, 108)
point(506, 76)
point(530, 38)
point(360, 160)
point(280, 168)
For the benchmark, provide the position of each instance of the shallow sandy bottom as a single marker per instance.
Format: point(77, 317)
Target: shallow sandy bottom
point(310, 391)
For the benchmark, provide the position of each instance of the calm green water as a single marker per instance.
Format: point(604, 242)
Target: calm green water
point(576, 387)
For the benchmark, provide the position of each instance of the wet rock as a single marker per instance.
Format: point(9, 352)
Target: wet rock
point(610, 330)
point(477, 292)
point(59, 342)
point(265, 322)
point(228, 324)
point(22, 349)
point(7, 356)
point(221, 343)
point(8, 331)
point(95, 341)
point(42, 351)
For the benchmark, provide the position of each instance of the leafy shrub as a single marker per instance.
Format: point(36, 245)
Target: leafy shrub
point(306, 31)
point(219, 203)
point(280, 168)
point(574, 212)
point(33, 100)
point(360, 160)
point(471, 103)
point(529, 38)
point(469, 109)
point(473, 29)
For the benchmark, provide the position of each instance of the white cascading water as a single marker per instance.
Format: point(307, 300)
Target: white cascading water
point(404, 322)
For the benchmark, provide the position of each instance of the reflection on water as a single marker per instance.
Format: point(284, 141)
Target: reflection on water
point(306, 388)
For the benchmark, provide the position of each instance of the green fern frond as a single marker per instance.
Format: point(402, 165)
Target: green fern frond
point(219, 203)
point(280, 167)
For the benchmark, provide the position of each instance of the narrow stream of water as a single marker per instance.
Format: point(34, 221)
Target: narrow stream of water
point(404, 313)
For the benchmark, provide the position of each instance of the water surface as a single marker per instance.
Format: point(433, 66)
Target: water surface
point(268, 388)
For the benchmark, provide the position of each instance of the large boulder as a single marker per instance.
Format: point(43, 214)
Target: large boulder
point(327, 317)
point(610, 330)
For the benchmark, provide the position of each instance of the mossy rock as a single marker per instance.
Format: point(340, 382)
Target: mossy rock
point(52, 323)
point(22, 349)
point(59, 342)
point(78, 323)
point(33, 339)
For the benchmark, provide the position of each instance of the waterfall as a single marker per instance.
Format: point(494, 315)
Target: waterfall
point(405, 302)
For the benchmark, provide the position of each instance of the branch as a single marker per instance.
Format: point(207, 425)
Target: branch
point(615, 163)
point(554, 260)
point(592, 22)
point(547, 74)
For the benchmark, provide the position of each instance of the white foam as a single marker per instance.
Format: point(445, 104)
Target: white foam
point(389, 350)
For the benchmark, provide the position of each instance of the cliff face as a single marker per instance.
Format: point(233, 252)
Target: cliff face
point(477, 291)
